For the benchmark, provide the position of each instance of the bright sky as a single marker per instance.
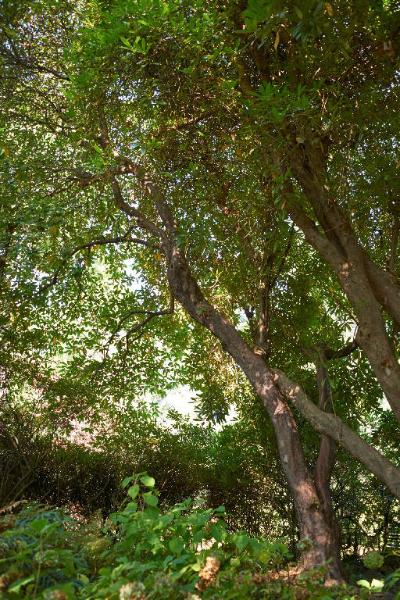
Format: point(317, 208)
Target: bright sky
point(181, 399)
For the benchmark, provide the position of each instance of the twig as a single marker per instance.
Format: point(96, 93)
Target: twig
point(151, 314)
point(134, 169)
point(99, 242)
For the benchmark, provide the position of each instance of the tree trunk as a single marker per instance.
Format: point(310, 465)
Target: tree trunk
point(311, 519)
point(327, 455)
point(367, 287)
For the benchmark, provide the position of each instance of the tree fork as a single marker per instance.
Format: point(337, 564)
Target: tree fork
point(355, 271)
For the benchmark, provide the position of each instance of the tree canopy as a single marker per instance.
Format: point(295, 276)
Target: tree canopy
point(207, 193)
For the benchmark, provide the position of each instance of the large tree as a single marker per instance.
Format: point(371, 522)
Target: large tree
point(203, 139)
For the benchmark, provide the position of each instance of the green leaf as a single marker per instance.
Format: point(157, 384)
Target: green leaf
point(148, 481)
point(241, 541)
point(134, 490)
point(218, 532)
point(127, 481)
point(298, 12)
point(150, 499)
point(98, 148)
point(176, 545)
point(39, 525)
point(377, 585)
point(17, 585)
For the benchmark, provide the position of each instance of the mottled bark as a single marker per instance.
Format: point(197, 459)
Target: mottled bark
point(367, 287)
point(386, 287)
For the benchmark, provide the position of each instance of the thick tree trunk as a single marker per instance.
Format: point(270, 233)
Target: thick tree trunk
point(311, 519)
point(367, 287)
point(372, 336)
point(386, 289)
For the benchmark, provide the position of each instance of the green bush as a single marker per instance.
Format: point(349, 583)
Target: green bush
point(142, 552)
point(40, 552)
point(182, 550)
point(373, 560)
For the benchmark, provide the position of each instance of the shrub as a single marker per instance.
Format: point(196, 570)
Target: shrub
point(142, 552)
point(373, 560)
point(40, 551)
point(182, 550)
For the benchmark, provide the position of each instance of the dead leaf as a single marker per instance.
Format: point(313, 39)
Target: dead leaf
point(276, 42)
point(208, 573)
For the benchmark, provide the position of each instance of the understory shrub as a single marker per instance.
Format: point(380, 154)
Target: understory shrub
point(236, 466)
point(141, 552)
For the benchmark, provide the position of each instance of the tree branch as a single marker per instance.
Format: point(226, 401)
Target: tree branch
point(99, 242)
point(314, 237)
point(127, 167)
point(23, 62)
point(337, 430)
point(151, 314)
point(342, 352)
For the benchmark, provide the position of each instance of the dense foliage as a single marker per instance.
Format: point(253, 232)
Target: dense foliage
point(141, 551)
point(202, 194)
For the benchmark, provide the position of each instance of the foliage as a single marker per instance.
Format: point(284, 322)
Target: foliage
point(213, 103)
point(41, 550)
point(236, 466)
point(373, 560)
point(143, 552)
point(114, 60)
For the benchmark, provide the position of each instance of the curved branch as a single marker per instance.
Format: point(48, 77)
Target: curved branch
point(151, 314)
point(334, 427)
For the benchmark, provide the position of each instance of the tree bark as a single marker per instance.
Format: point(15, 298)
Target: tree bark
point(367, 287)
point(386, 288)
point(327, 455)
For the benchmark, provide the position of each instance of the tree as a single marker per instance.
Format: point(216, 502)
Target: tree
point(323, 122)
point(126, 154)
